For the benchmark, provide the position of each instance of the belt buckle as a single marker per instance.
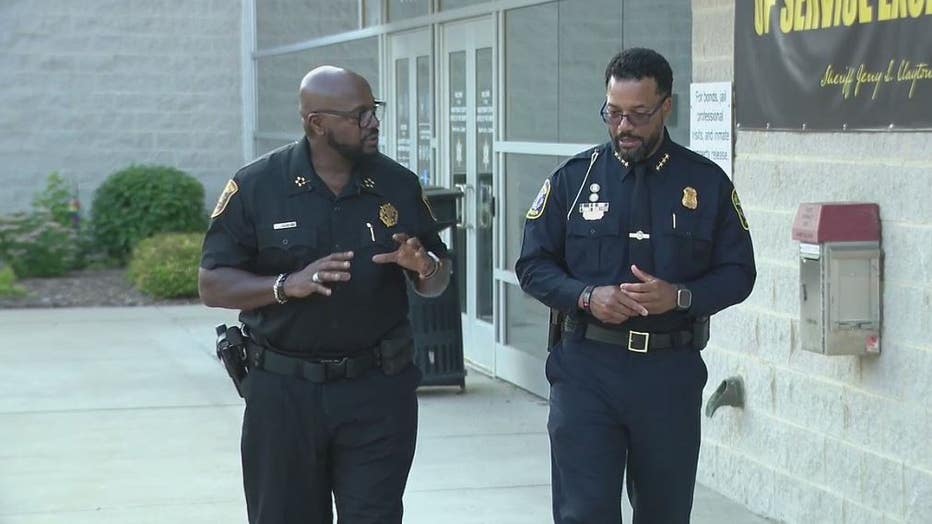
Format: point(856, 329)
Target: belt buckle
point(642, 336)
point(334, 368)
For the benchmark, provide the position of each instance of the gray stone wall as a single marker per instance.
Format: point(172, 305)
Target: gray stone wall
point(89, 87)
point(822, 439)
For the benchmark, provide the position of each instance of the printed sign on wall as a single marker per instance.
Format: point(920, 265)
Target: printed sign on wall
point(710, 128)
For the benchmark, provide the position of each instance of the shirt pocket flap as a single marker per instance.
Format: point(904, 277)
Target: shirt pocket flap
point(593, 228)
point(268, 237)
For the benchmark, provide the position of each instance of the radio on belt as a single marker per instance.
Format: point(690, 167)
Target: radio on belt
point(840, 264)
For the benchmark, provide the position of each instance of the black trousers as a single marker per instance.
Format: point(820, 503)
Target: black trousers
point(611, 408)
point(352, 440)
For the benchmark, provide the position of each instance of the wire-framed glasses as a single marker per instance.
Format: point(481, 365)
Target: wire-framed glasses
point(635, 118)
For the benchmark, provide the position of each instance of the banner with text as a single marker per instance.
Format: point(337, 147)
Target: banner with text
point(833, 64)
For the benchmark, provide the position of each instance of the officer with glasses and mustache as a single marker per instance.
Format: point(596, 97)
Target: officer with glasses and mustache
point(633, 244)
point(315, 244)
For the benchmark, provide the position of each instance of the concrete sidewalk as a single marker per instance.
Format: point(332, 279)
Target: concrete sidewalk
point(124, 416)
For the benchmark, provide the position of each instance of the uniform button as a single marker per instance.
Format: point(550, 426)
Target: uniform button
point(592, 231)
point(284, 241)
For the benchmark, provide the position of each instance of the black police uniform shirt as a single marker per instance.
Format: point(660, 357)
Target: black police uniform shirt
point(277, 216)
point(698, 233)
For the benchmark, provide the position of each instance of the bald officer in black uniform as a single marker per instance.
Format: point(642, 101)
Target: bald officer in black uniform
point(314, 242)
point(637, 242)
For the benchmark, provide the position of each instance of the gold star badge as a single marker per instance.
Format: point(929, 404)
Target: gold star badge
point(388, 215)
point(368, 183)
point(622, 160)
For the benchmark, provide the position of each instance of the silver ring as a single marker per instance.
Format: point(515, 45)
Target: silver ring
point(316, 277)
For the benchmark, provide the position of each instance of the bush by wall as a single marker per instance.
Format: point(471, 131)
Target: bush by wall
point(35, 245)
point(8, 287)
point(165, 265)
point(140, 201)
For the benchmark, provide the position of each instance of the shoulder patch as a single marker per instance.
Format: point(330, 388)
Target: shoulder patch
point(737, 203)
point(540, 201)
point(228, 191)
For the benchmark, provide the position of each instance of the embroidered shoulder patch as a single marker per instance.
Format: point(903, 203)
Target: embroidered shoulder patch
point(228, 191)
point(540, 202)
point(737, 203)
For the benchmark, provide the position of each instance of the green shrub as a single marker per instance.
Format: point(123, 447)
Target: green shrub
point(140, 201)
point(165, 265)
point(58, 200)
point(8, 287)
point(35, 245)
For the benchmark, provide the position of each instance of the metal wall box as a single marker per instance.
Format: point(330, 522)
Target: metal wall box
point(840, 264)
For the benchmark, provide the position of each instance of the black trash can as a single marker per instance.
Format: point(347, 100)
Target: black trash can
point(437, 322)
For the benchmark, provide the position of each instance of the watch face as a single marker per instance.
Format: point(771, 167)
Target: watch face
point(684, 298)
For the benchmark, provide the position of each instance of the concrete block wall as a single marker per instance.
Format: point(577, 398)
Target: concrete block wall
point(90, 87)
point(837, 439)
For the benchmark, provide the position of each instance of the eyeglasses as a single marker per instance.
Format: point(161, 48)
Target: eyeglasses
point(635, 118)
point(364, 117)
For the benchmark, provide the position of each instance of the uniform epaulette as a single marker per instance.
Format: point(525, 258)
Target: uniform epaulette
point(693, 156)
point(585, 155)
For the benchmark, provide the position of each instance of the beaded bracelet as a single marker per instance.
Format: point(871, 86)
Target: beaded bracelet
point(278, 289)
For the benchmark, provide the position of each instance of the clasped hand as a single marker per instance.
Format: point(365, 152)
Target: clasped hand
point(616, 304)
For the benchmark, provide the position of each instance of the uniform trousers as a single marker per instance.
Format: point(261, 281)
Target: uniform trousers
point(304, 442)
point(611, 408)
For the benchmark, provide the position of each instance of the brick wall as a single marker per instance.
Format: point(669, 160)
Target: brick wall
point(822, 439)
point(89, 87)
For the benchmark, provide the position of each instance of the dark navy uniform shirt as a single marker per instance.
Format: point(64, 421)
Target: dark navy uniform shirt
point(277, 216)
point(699, 234)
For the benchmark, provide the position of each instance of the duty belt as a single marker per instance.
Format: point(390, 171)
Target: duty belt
point(637, 341)
point(314, 370)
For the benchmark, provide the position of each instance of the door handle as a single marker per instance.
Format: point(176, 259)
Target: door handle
point(486, 207)
point(462, 211)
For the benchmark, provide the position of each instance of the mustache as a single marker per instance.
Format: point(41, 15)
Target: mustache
point(626, 136)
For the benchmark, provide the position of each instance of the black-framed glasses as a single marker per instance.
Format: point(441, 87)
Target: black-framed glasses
point(635, 118)
point(364, 117)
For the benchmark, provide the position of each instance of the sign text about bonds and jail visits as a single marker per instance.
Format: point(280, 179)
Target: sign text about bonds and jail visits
point(710, 122)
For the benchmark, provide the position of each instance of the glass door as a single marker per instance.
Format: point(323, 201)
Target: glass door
point(410, 108)
point(468, 79)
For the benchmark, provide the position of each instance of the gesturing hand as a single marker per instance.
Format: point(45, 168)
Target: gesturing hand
point(656, 295)
point(314, 278)
point(410, 255)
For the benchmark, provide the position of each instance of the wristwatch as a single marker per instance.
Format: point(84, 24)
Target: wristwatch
point(684, 297)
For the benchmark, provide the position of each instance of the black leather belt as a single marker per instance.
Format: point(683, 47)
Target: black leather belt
point(313, 370)
point(637, 341)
